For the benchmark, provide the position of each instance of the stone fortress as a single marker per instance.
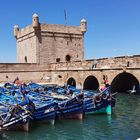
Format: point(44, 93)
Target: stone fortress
point(49, 43)
point(50, 53)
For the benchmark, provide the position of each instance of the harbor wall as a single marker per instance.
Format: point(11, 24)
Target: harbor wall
point(59, 73)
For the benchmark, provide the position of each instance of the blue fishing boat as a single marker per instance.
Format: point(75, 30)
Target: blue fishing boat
point(44, 107)
point(66, 107)
point(96, 102)
point(70, 108)
point(14, 112)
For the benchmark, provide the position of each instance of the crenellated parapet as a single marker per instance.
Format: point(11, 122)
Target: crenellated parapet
point(20, 33)
point(50, 28)
point(30, 29)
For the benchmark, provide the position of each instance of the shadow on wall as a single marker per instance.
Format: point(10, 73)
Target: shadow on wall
point(124, 82)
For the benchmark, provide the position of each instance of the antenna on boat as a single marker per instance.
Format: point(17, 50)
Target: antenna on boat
point(65, 15)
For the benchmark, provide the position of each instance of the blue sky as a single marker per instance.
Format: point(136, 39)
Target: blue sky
point(113, 26)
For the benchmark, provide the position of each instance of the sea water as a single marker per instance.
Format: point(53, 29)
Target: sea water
point(123, 124)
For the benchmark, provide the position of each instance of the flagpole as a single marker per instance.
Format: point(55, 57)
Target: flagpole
point(65, 15)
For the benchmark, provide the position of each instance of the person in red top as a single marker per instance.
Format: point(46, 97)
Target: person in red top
point(104, 82)
point(17, 82)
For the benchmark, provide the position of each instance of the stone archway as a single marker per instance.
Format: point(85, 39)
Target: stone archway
point(124, 82)
point(91, 83)
point(71, 81)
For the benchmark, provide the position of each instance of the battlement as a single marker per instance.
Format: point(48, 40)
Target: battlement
point(25, 31)
point(55, 28)
point(50, 28)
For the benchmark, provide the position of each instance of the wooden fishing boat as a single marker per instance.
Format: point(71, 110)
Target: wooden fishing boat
point(97, 104)
point(14, 113)
point(67, 107)
point(94, 103)
point(44, 107)
point(70, 108)
point(13, 118)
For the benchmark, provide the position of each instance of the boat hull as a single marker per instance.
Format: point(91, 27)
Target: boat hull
point(45, 114)
point(17, 123)
point(71, 109)
point(103, 107)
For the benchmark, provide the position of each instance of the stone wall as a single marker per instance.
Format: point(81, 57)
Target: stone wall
point(25, 72)
point(61, 29)
point(102, 63)
point(58, 41)
point(26, 45)
point(60, 72)
point(56, 46)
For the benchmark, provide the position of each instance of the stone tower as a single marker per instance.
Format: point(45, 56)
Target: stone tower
point(49, 43)
point(83, 26)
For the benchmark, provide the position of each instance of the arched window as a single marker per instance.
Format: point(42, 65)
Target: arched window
point(68, 57)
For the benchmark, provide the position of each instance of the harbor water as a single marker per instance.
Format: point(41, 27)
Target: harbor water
point(123, 124)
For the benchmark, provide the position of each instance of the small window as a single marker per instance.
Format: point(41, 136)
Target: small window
point(68, 57)
point(57, 59)
point(67, 43)
point(59, 76)
point(25, 58)
point(128, 63)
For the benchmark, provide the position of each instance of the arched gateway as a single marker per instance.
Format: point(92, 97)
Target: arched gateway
point(71, 81)
point(124, 82)
point(91, 83)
